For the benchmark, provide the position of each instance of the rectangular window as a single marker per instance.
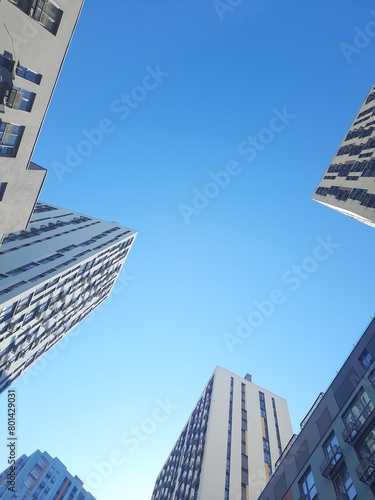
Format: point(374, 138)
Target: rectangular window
point(24, 5)
point(330, 445)
point(243, 491)
point(28, 74)
point(227, 477)
point(359, 410)
point(307, 486)
point(10, 138)
point(20, 99)
point(23, 303)
point(6, 63)
point(6, 313)
point(365, 359)
point(3, 186)
point(48, 15)
point(267, 457)
point(343, 484)
point(22, 269)
point(333, 456)
point(51, 258)
point(43, 11)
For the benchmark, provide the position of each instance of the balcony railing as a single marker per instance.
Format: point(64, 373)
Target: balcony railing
point(365, 470)
point(285, 450)
point(312, 409)
point(332, 462)
point(354, 429)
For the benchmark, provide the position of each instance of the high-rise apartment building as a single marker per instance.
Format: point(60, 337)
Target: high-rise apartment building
point(229, 446)
point(34, 38)
point(348, 183)
point(52, 276)
point(40, 477)
point(333, 457)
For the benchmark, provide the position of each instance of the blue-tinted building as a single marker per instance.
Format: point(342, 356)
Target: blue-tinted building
point(39, 477)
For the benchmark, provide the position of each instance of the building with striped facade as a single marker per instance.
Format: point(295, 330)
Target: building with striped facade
point(348, 183)
point(52, 276)
point(229, 446)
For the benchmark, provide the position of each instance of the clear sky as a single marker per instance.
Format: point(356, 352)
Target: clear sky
point(206, 127)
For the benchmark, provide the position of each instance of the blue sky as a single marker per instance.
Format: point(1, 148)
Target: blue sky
point(202, 79)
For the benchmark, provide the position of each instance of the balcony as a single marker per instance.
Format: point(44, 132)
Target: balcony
point(332, 462)
point(365, 470)
point(354, 430)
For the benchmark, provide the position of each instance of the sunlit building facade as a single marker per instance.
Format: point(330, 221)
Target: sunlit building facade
point(41, 477)
point(333, 457)
point(52, 276)
point(229, 446)
point(348, 183)
point(34, 38)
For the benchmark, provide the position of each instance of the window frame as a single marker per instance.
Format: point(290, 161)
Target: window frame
point(311, 491)
point(28, 74)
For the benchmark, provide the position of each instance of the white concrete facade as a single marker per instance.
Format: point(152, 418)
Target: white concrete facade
point(348, 183)
point(52, 276)
point(34, 38)
point(239, 441)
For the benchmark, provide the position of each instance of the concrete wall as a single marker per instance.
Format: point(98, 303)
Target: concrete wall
point(26, 41)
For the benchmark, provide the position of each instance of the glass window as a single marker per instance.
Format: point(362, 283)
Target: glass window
point(10, 138)
point(330, 446)
point(48, 15)
point(20, 99)
point(267, 457)
point(6, 313)
point(23, 303)
point(50, 258)
point(307, 485)
point(6, 63)
point(365, 359)
point(28, 74)
point(344, 485)
point(359, 410)
point(24, 5)
point(227, 479)
point(3, 186)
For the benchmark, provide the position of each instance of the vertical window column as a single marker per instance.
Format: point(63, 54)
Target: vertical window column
point(266, 439)
point(229, 441)
point(244, 452)
point(277, 427)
